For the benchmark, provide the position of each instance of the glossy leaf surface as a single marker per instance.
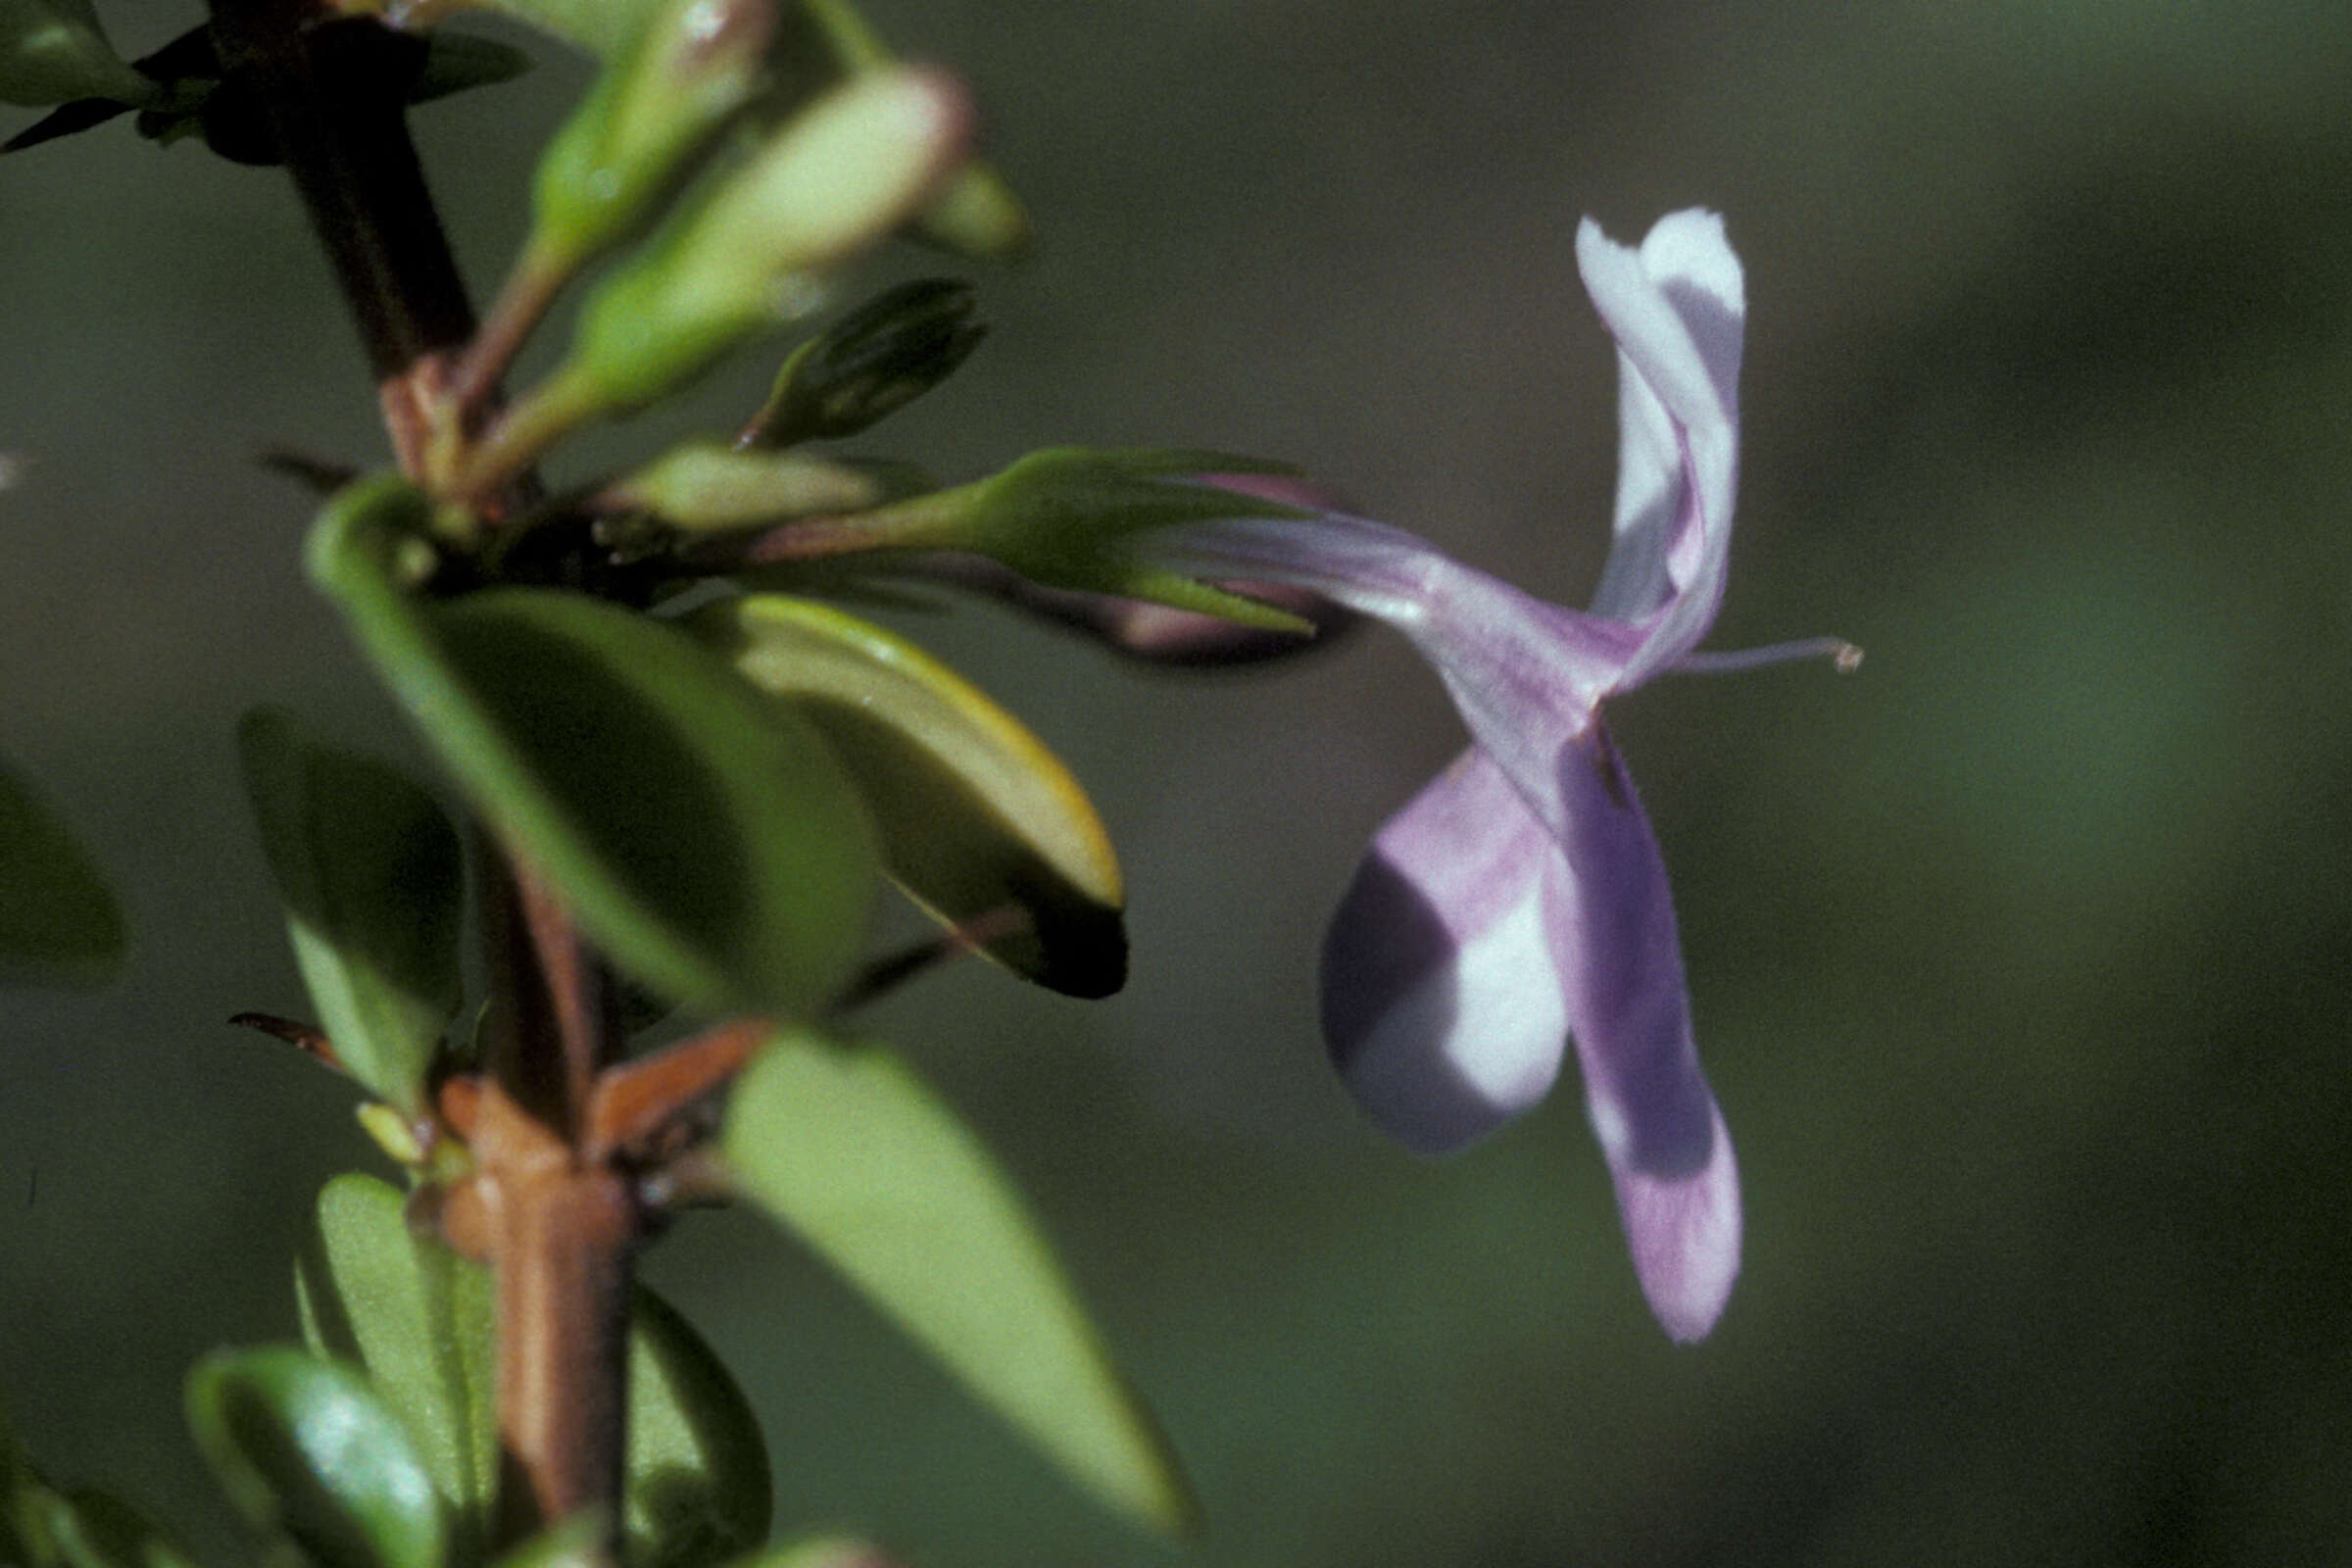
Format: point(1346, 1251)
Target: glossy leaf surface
point(306, 1448)
point(422, 1321)
point(373, 878)
point(717, 855)
point(58, 922)
point(974, 815)
point(860, 1159)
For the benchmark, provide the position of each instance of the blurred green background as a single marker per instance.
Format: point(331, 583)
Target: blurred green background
point(2020, 959)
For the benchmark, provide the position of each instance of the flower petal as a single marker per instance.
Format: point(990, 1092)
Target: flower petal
point(1676, 308)
point(1442, 1004)
point(1621, 964)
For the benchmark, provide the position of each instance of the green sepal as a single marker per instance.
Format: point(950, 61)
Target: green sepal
point(54, 52)
point(306, 1449)
point(58, 922)
point(973, 813)
point(1065, 516)
point(373, 878)
point(690, 68)
point(706, 487)
point(422, 1321)
point(718, 855)
point(855, 1154)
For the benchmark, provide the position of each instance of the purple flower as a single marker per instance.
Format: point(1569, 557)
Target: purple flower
point(1519, 901)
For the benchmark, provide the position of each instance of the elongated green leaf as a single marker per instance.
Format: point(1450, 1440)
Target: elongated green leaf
point(58, 923)
point(698, 1481)
point(422, 1321)
point(857, 1155)
point(974, 815)
point(373, 884)
point(304, 1447)
point(720, 857)
point(44, 1527)
point(93, 1529)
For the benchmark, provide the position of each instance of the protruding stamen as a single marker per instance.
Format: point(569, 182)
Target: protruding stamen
point(1845, 656)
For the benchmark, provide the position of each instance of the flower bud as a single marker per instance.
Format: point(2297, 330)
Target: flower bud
point(832, 183)
point(691, 68)
point(877, 359)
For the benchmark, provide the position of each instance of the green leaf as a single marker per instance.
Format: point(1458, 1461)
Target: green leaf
point(56, 920)
point(698, 1481)
point(304, 1447)
point(421, 1320)
point(857, 1155)
point(373, 882)
point(720, 857)
point(43, 1527)
point(974, 815)
point(52, 51)
point(92, 1529)
point(828, 1551)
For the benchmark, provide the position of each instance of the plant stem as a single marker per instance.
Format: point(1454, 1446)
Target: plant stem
point(564, 1230)
point(334, 91)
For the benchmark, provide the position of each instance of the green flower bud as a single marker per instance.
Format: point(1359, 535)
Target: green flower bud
point(754, 251)
point(693, 66)
point(53, 52)
point(877, 359)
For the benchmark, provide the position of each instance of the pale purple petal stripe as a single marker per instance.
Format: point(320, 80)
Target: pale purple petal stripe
point(1442, 1004)
point(1621, 964)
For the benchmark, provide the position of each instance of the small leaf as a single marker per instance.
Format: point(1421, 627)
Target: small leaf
point(92, 1529)
point(829, 1551)
point(306, 1448)
point(374, 881)
point(698, 1481)
point(974, 815)
point(718, 855)
point(52, 51)
point(58, 923)
point(860, 1159)
point(421, 1320)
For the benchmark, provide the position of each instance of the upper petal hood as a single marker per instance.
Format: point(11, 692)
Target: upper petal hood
point(1677, 309)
